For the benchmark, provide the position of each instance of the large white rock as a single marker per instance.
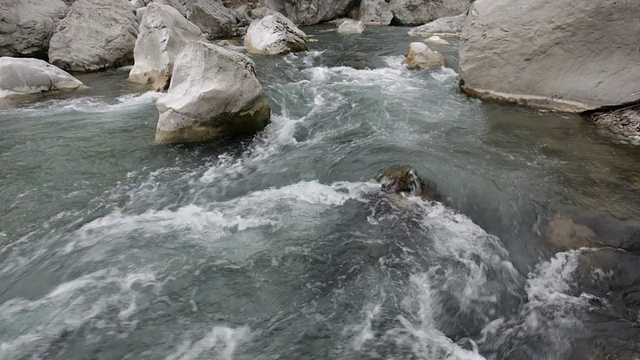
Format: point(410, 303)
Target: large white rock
point(417, 12)
point(351, 27)
point(214, 93)
point(375, 12)
point(211, 16)
point(26, 76)
point(449, 25)
point(419, 56)
point(163, 34)
point(309, 12)
point(95, 35)
point(26, 26)
point(565, 55)
point(274, 34)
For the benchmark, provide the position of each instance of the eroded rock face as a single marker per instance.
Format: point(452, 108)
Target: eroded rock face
point(274, 34)
point(309, 12)
point(26, 26)
point(351, 27)
point(405, 179)
point(163, 34)
point(95, 35)
point(419, 56)
point(26, 76)
point(417, 12)
point(449, 25)
point(562, 55)
point(213, 94)
point(376, 12)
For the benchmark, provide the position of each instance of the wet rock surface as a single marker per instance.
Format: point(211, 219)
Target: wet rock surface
point(405, 179)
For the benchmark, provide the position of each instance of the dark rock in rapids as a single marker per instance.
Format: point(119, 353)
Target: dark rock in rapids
point(405, 179)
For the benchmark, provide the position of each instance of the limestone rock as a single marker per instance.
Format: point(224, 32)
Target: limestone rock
point(449, 25)
point(211, 16)
point(214, 93)
point(436, 40)
point(351, 27)
point(309, 12)
point(417, 12)
point(419, 56)
point(260, 12)
point(26, 26)
point(562, 55)
point(95, 35)
point(27, 76)
point(274, 34)
point(375, 12)
point(163, 34)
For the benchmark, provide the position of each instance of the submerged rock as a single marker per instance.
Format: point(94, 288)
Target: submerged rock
point(419, 56)
point(25, 76)
point(416, 12)
point(26, 26)
point(351, 27)
point(448, 25)
point(437, 40)
point(214, 93)
point(582, 56)
point(405, 179)
point(375, 12)
point(95, 35)
point(163, 34)
point(274, 34)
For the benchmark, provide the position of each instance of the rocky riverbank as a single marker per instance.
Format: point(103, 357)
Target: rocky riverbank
point(624, 123)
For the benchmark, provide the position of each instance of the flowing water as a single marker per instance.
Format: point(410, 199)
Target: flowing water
point(281, 246)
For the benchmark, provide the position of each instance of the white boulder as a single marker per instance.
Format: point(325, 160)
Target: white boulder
point(351, 27)
point(436, 40)
point(449, 25)
point(419, 56)
point(274, 34)
point(26, 76)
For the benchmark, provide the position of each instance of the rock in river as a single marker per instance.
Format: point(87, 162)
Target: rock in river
point(95, 35)
point(419, 56)
point(309, 12)
point(351, 27)
point(449, 25)
point(417, 12)
point(214, 93)
point(405, 179)
point(274, 34)
point(27, 76)
point(163, 34)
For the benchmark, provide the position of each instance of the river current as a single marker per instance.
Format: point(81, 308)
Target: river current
point(282, 246)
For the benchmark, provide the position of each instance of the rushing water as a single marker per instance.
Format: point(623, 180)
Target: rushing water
point(282, 246)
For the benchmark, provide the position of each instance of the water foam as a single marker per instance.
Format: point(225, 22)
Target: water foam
point(220, 343)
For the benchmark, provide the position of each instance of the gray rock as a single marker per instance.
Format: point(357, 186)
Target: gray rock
point(562, 55)
point(95, 35)
point(309, 12)
point(375, 12)
point(26, 26)
point(274, 34)
point(260, 12)
point(351, 27)
point(214, 93)
point(26, 76)
point(211, 16)
point(419, 56)
point(417, 12)
point(449, 25)
point(137, 4)
point(163, 34)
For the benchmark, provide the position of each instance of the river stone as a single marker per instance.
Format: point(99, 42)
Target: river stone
point(562, 55)
point(436, 40)
point(214, 93)
point(419, 56)
point(351, 27)
point(449, 25)
point(274, 34)
point(95, 35)
point(27, 76)
point(405, 179)
point(310, 12)
point(375, 12)
point(163, 33)
point(26, 26)
point(417, 12)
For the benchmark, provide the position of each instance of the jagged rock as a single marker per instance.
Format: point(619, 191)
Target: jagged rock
point(419, 56)
point(26, 26)
point(214, 93)
point(449, 25)
point(309, 12)
point(26, 76)
point(211, 16)
point(562, 55)
point(405, 179)
point(95, 35)
point(375, 12)
point(351, 27)
point(137, 4)
point(274, 34)
point(417, 12)
point(163, 34)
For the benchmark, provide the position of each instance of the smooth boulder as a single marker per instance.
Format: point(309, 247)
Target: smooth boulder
point(27, 76)
point(561, 55)
point(26, 26)
point(214, 93)
point(310, 12)
point(351, 27)
point(95, 35)
point(445, 26)
point(420, 56)
point(163, 34)
point(274, 34)
point(375, 12)
point(417, 12)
